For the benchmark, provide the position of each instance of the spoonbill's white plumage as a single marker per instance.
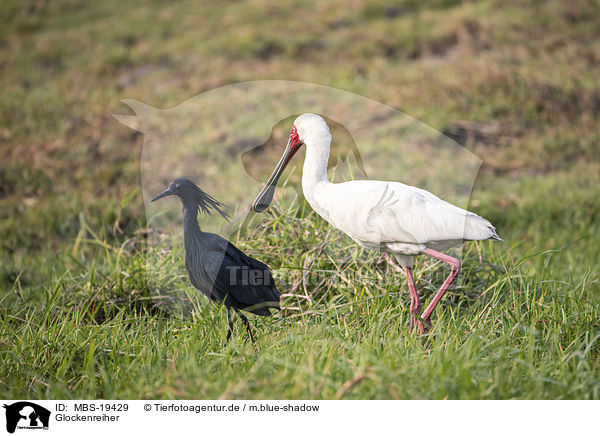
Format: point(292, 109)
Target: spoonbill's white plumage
point(387, 216)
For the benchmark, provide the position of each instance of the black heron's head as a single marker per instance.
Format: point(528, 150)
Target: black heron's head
point(192, 196)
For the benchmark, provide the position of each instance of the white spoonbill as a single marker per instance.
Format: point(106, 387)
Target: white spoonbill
point(387, 216)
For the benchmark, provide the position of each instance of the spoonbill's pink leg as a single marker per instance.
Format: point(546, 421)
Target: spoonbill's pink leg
point(454, 269)
point(415, 302)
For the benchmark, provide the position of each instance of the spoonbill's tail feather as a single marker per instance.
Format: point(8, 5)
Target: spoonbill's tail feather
point(495, 237)
point(478, 228)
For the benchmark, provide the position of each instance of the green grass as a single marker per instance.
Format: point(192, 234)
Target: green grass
point(522, 322)
point(80, 311)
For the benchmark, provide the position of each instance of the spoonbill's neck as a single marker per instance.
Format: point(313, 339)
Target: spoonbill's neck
point(314, 171)
point(317, 157)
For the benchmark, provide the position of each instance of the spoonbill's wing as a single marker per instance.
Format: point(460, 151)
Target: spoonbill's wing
point(376, 212)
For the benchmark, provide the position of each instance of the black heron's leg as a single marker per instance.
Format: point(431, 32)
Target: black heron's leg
point(246, 323)
point(229, 323)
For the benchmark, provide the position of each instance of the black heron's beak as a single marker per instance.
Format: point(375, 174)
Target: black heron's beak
point(164, 194)
point(264, 198)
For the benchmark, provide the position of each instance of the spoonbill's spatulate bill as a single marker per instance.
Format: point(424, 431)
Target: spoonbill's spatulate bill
point(387, 216)
point(217, 267)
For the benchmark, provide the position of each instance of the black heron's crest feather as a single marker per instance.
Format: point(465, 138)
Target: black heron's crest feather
point(206, 203)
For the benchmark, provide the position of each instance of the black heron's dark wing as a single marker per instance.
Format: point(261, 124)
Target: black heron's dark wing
point(246, 282)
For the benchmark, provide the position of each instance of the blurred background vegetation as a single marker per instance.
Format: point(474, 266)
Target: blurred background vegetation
point(515, 82)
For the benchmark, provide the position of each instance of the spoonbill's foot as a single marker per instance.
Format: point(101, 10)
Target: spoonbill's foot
point(423, 326)
point(415, 319)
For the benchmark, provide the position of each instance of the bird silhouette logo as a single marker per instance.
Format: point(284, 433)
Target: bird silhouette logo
point(26, 415)
point(227, 140)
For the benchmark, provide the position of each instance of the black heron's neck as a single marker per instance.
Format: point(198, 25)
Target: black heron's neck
point(190, 219)
point(192, 240)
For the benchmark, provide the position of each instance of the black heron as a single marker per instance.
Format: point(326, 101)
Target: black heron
point(217, 267)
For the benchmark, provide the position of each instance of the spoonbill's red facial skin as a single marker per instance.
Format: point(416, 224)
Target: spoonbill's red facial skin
point(294, 137)
point(293, 144)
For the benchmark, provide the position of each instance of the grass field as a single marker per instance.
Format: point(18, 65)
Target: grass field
point(515, 83)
